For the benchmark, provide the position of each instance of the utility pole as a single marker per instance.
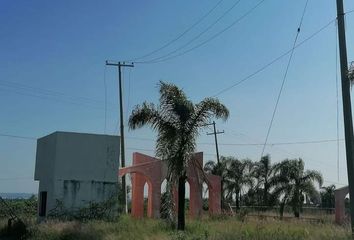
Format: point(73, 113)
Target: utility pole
point(122, 148)
point(215, 133)
point(347, 109)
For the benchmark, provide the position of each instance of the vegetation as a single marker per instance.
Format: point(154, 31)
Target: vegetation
point(293, 182)
point(22, 207)
point(206, 229)
point(177, 121)
point(265, 184)
point(327, 196)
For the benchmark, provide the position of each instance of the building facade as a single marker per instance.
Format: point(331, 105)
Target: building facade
point(75, 169)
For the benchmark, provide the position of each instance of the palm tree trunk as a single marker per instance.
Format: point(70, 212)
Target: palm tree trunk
point(296, 204)
point(281, 209)
point(265, 195)
point(181, 203)
point(237, 200)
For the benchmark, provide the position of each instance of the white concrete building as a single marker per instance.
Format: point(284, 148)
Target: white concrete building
point(76, 169)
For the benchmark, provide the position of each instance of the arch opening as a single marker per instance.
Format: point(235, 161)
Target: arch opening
point(205, 197)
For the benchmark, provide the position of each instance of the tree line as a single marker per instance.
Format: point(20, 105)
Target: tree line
point(266, 185)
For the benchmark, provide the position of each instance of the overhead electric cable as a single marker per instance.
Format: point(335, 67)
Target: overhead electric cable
point(195, 38)
point(180, 35)
point(211, 154)
point(15, 178)
point(252, 144)
point(47, 92)
point(16, 136)
point(274, 60)
point(290, 153)
point(205, 143)
point(210, 38)
point(284, 79)
point(29, 91)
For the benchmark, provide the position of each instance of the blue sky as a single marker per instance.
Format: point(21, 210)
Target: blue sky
point(52, 75)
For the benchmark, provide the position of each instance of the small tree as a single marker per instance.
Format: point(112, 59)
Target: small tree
point(177, 122)
point(292, 182)
point(264, 172)
point(327, 196)
point(239, 175)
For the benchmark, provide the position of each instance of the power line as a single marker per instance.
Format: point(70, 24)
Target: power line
point(16, 136)
point(286, 151)
point(343, 184)
point(253, 144)
point(205, 143)
point(15, 178)
point(274, 60)
point(277, 143)
point(207, 154)
point(284, 79)
point(46, 92)
point(211, 38)
point(196, 37)
point(180, 35)
point(53, 97)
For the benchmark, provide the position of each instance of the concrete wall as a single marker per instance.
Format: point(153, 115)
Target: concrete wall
point(77, 168)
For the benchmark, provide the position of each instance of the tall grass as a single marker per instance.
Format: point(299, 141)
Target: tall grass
point(223, 228)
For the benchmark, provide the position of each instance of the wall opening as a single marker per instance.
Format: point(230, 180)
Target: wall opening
point(187, 197)
point(43, 204)
point(205, 196)
point(128, 182)
point(147, 199)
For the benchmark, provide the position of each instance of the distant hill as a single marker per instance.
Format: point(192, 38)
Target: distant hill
point(16, 195)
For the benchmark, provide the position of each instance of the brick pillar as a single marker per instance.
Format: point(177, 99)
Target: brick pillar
point(138, 182)
point(214, 194)
point(195, 199)
point(154, 200)
point(340, 204)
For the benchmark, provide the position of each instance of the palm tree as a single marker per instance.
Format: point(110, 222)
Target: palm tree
point(177, 122)
point(292, 182)
point(327, 196)
point(238, 176)
point(219, 169)
point(263, 172)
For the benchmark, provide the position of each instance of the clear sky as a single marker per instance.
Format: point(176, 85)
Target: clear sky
point(52, 56)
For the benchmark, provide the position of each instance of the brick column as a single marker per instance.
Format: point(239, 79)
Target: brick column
point(340, 204)
point(138, 182)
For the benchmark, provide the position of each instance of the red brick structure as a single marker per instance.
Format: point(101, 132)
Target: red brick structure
point(146, 169)
point(339, 195)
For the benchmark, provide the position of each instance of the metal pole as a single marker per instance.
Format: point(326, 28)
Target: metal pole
point(347, 111)
point(122, 147)
point(216, 143)
point(216, 139)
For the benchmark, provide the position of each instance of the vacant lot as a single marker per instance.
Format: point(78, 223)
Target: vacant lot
point(221, 228)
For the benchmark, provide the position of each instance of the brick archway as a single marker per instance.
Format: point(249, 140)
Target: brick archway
point(154, 171)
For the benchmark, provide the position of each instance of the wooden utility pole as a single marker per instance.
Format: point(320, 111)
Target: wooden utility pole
point(122, 148)
point(215, 133)
point(347, 109)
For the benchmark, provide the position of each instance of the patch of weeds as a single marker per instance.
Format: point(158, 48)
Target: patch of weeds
point(242, 214)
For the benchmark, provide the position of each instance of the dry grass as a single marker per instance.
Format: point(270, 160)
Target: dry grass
point(208, 228)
